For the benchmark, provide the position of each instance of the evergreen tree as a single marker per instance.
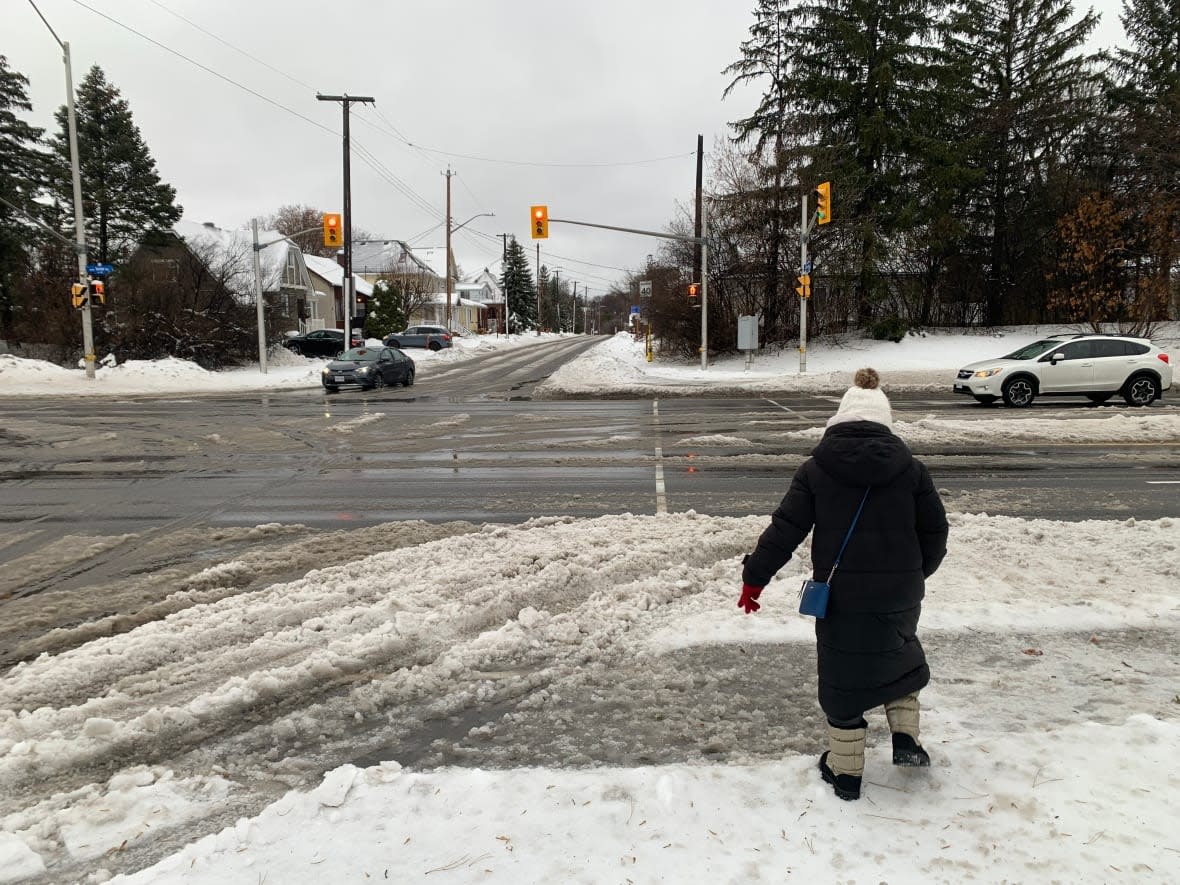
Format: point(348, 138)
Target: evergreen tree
point(765, 59)
point(516, 281)
point(387, 312)
point(863, 73)
point(1148, 101)
point(122, 194)
point(1029, 95)
point(22, 175)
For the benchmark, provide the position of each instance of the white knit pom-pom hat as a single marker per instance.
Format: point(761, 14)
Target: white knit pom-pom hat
point(864, 401)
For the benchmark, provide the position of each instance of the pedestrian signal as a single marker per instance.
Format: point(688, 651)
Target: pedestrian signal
point(540, 222)
point(98, 293)
point(694, 289)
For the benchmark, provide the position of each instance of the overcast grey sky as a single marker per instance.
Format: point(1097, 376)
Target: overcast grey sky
point(591, 108)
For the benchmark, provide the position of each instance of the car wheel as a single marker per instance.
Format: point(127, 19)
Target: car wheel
point(1142, 390)
point(331, 389)
point(435, 346)
point(409, 379)
point(379, 382)
point(1019, 392)
point(295, 349)
point(985, 400)
point(1098, 398)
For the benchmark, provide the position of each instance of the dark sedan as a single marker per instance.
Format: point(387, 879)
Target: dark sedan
point(368, 368)
point(321, 342)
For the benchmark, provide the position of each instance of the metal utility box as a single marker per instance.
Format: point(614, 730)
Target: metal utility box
point(747, 330)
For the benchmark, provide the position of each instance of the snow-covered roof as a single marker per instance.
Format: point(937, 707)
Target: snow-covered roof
point(382, 256)
point(239, 241)
point(441, 298)
point(329, 270)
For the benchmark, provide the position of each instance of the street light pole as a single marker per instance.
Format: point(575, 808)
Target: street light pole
point(79, 217)
point(453, 230)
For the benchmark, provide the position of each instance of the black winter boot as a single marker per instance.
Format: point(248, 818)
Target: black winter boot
point(907, 751)
point(846, 786)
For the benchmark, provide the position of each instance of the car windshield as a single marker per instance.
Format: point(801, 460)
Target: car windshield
point(1031, 351)
point(361, 355)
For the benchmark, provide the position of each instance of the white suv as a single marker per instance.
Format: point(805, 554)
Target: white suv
point(1094, 366)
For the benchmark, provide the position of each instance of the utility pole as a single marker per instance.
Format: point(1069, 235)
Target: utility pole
point(576, 307)
point(557, 296)
point(349, 287)
point(538, 290)
point(704, 245)
point(503, 265)
point(448, 174)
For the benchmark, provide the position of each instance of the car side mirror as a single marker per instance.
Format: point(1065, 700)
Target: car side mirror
point(1057, 357)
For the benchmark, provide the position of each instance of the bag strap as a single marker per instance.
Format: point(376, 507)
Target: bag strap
point(836, 564)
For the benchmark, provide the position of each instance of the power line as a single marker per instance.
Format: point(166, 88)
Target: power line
point(205, 68)
point(236, 49)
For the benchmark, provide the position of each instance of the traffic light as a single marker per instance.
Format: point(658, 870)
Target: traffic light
point(804, 287)
point(332, 232)
point(823, 202)
point(694, 289)
point(78, 295)
point(540, 220)
point(98, 293)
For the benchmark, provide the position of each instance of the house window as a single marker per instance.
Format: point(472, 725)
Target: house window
point(291, 275)
point(165, 270)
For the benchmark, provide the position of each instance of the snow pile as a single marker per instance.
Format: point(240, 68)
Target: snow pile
point(551, 617)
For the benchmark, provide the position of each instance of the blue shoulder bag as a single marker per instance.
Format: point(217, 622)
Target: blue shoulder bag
point(813, 595)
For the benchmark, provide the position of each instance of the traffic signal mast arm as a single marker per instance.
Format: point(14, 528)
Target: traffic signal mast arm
point(631, 230)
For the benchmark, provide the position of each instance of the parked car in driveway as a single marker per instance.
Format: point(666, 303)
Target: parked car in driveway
point(368, 368)
point(1093, 366)
point(433, 337)
point(321, 342)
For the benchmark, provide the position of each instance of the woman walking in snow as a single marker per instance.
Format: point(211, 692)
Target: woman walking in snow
point(867, 648)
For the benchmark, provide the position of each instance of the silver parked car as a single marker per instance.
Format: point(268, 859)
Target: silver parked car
point(433, 337)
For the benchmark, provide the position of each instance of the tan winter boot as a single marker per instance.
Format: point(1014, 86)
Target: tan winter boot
point(903, 715)
point(844, 763)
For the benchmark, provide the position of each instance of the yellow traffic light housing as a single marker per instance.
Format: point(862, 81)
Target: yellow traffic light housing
point(540, 222)
point(823, 202)
point(98, 293)
point(804, 287)
point(694, 289)
point(333, 235)
point(78, 295)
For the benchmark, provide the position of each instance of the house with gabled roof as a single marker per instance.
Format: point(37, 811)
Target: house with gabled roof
point(326, 309)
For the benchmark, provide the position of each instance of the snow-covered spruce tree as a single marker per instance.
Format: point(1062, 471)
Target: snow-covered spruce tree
point(124, 199)
point(516, 281)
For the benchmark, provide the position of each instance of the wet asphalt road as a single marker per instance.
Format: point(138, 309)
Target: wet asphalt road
point(470, 442)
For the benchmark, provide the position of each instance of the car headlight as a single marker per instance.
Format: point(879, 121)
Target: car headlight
point(987, 373)
point(326, 371)
point(364, 370)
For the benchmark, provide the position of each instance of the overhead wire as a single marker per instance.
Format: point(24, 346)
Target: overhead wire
point(366, 156)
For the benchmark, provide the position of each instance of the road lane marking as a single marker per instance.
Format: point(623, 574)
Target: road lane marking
point(661, 496)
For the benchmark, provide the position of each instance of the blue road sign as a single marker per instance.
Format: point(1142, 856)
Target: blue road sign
point(807, 266)
point(634, 308)
point(100, 270)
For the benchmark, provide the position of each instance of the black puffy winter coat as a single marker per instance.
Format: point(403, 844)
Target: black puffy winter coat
point(867, 647)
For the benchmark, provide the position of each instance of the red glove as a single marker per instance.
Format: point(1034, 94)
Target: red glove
point(749, 594)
